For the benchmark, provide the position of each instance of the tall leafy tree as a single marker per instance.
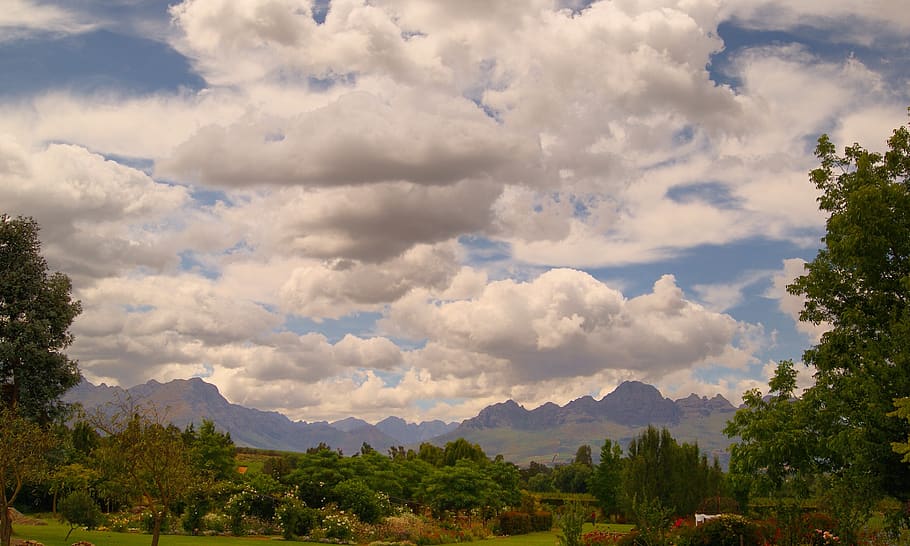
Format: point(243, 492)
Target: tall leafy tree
point(211, 451)
point(859, 283)
point(150, 458)
point(660, 473)
point(36, 311)
point(777, 448)
point(606, 481)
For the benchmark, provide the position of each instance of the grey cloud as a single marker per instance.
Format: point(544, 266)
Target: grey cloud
point(360, 139)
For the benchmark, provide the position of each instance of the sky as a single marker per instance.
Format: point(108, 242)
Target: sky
point(419, 208)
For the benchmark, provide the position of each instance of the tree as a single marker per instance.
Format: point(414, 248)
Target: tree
point(463, 486)
point(859, 284)
point(902, 411)
point(212, 452)
point(79, 509)
point(572, 478)
point(462, 449)
point(149, 458)
point(776, 446)
point(23, 459)
point(606, 481)
point(583, 456)
point(660, 472)
point(36, 311)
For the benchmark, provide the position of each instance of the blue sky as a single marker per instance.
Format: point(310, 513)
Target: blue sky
point(352, 208)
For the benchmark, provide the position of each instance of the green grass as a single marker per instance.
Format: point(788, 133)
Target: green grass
point(52, 535)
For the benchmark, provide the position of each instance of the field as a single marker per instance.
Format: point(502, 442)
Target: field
point(52, 535)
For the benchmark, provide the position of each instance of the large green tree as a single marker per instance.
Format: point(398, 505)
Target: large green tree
point(148, 457)
point(23, 459)
point(859, 284)
point(776, 449)
point(36, 311)
point(607, 479)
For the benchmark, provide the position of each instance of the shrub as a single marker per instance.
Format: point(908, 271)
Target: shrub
point(541, 521)
point(336, 524)
point(147, 521)
point(515, 523)
point(812, 522)
point(296, 518)
point(193, 520)
point(356, 496)
point(79, 508)
point(571, 523)
point(728, 530)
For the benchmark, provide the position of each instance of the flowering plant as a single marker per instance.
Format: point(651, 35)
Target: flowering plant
point(824, 538)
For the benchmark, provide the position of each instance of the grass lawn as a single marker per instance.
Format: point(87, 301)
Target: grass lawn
point(52, 535)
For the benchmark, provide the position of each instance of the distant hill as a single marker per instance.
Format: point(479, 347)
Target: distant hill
point(549, 432)
point(411, 433)
point(192, 400)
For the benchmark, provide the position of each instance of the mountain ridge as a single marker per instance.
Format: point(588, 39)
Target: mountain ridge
point(506, 428)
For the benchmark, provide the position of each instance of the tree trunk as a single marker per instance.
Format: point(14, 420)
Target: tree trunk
point(6, 526)
point(156, 528)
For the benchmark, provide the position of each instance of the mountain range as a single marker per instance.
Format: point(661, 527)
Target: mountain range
point(545, 434)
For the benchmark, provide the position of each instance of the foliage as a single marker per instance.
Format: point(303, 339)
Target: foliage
point(570, 525)
point(776, 445)
point(336, 524)
point(572, 478)
point(296, 518)
point(211, 452)
point(606, 481)
point(583, 456)
point(728, 530)
point(23, 459)
point(541, 520)
point(462, 449)
point(356, 497)
point(902, 412)
point(149, 459)
point(515, 523)
point(80, 509)
point(676, 475)
point(456, 488)
point(36, 311)
point(652, 520)
point(859, 284)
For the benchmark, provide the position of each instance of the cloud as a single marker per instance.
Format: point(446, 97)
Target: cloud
point(843, 20)
point(563, 324)
point(335, 289)
point(792, 304)
point(359, 139)
point(93, 212)
point(20, 19)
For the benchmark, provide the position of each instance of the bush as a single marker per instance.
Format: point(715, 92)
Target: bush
point(541, 521)
point(571, 523)
point(812, 522)
point(357, 497)
point(193, 518)
point(217, 523)
point(296, 518)
point(80, 509)
point(728, 530)
point(515, 523)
